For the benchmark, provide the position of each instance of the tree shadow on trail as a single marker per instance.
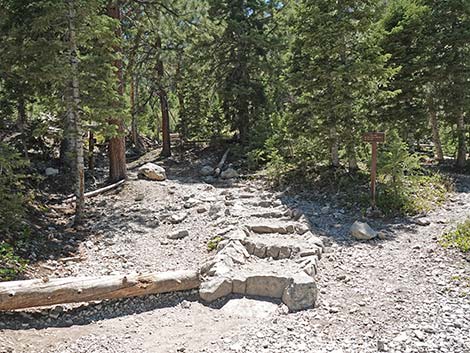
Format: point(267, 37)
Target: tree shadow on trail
point(91, 312)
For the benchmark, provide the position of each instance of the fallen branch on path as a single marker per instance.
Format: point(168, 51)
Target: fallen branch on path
point(32, 293)
point(218, 168)
point(96, 192)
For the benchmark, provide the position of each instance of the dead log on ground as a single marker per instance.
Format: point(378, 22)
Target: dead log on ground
point(33, 293)
point(219, 167)
point(96, 192)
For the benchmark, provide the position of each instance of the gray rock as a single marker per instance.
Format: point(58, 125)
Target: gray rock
point(236, 251)
point(362, 231)
point(301, 293)
point(178, 217)
point(268, 228)
point(215, 288)
point(230, 173)
point(180, 234)
point(271, 286)
point(202, 209)
point(51, 171)
point(206, 170)
point(216, 210)
point(152, 171)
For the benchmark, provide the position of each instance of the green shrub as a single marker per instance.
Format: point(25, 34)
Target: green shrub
point(213, 243)
point(11, 265)
point(12, 191)
point(459, 238)
point(416, 194)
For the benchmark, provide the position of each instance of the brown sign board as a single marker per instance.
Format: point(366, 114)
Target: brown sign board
point(374, 137)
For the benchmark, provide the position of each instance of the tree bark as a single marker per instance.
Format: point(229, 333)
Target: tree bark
point(73, 112)
point(462, 143)
point(34, 293)
point(166, 150)
point(436, 138)
point(351, 151)
point(91, 151)
point(117, 143)
point(134, 129)
point(21, 122)
point(334, 147)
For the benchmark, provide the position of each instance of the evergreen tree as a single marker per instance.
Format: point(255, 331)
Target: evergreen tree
point(239, 59)
point(338, 72)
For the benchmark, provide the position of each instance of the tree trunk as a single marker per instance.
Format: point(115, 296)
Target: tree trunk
point(351, 151)
point(166, 150)
point(462, 149)
point(436, 138)
point(134, 130)
point(352, 161)
point(33, 293)
point(21, 122)
point(334, 147)
point(91, 151)
point(117, 144)
point(73, 112)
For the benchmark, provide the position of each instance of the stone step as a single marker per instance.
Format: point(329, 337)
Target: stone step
point(283, 280)
point(234, 270)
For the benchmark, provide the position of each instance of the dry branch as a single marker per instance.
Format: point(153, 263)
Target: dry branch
point(96, 192)
point(33, 293)
point(219, 167)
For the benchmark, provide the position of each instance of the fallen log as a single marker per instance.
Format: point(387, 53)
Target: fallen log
point(218, 168)
point(96, 192)
point(33, 293)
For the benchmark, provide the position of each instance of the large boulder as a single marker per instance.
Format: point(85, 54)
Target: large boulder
point(206, 170)
point(301, 293)
point(215, 288)
point(362, 231)
point(152, 171)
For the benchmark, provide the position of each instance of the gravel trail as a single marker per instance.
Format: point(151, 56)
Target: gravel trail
point(401, 293)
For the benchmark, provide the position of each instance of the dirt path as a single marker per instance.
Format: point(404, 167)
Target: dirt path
point(401, 294)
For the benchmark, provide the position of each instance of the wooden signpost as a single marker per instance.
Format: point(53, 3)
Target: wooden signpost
point(373, 138)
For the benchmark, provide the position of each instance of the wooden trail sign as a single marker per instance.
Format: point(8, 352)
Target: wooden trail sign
point(373, 138)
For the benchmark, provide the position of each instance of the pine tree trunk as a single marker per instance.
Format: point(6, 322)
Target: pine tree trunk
point(436, 138)
point(134, 132)
point(166, 151)
point(352, 160)
point(91, 151)
point(334, 147)
point(73, 113)
point(462, 149)
point(117, 144)
point(21, 122)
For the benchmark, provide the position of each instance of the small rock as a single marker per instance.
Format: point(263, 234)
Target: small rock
point(178, 217)
point(229, 174)
point(202, 209)
point(362, 231)
point(419, 334)
point(180, 234)
point(381, 346)
point(422, 222)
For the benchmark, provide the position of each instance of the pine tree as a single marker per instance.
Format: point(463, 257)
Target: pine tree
point(338, 73)
point(238, 57)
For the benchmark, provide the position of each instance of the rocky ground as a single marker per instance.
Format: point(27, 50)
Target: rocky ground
point(401, 292)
